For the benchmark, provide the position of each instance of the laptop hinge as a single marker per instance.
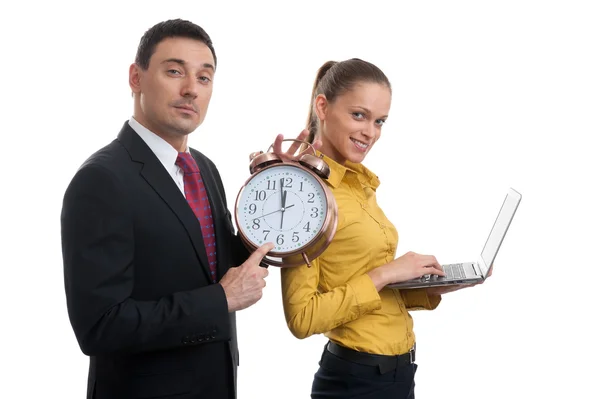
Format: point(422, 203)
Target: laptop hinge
point(481, 266)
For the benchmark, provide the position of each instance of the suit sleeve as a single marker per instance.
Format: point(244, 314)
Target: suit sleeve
point(98, 255)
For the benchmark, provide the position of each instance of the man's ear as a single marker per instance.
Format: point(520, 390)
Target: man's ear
point(135, 77)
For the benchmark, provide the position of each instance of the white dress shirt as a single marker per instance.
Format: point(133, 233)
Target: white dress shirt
point(167, 155)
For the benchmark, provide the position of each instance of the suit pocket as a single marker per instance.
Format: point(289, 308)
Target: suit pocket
point(162, 385)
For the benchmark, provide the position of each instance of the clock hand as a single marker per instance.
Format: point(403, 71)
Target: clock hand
point(281, 193)
point(278, 210)
point(283, 209)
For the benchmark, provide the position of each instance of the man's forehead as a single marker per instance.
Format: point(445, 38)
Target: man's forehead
point(185, 51)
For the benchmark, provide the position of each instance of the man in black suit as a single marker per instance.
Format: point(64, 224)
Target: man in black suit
point(152, 283)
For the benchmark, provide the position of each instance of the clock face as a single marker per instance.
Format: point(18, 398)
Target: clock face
point(283, 204)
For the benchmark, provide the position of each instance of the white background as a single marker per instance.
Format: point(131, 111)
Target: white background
point(487, 95)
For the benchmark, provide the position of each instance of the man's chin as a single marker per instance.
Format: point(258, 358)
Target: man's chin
point(184, 127)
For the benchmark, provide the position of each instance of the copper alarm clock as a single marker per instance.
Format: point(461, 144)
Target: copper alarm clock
point(286, 202)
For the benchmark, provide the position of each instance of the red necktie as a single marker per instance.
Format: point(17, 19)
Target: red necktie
point(195, 193)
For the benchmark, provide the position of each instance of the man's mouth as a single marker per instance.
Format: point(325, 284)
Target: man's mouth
point(187, 108)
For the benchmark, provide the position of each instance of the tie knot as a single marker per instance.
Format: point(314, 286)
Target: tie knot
point(187, 163)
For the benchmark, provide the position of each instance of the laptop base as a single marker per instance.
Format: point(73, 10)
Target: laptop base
point(470, 276)
point(418, 283)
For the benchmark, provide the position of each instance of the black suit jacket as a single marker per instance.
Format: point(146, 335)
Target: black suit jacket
point(138, 288)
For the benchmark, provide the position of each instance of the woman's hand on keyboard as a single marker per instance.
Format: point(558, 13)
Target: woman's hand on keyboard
point(451, 288)
point(407, 267)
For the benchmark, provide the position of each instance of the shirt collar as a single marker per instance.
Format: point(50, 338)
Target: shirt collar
point(166, 154)
point(337, 172)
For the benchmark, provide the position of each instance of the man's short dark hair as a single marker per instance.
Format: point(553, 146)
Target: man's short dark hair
point(164, 30)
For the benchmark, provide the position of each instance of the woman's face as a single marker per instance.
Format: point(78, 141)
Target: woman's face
point(351, 125)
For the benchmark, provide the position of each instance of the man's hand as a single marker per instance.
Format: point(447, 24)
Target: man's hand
point(289, 154)
point(243, 285)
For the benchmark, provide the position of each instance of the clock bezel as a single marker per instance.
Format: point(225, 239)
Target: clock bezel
point(312, 249)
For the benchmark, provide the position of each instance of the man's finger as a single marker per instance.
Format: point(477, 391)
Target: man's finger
point(260, 253)
point(265, 272)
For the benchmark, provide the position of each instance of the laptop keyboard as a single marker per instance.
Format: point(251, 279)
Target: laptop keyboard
point(454, 271)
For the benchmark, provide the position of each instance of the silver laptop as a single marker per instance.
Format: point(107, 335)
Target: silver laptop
point(476, 271)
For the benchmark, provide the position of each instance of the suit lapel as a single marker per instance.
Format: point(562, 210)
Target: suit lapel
point(160, 180)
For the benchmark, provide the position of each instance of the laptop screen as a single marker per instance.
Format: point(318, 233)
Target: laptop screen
point(492, 245)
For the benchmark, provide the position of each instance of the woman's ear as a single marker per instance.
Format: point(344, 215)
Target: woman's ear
point(321, 107)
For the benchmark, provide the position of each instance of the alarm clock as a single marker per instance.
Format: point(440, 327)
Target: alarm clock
point(287, 202)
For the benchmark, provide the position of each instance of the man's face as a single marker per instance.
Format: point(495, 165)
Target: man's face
point(173, 94)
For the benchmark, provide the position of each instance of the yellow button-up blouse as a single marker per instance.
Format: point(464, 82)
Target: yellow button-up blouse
point(335, 296)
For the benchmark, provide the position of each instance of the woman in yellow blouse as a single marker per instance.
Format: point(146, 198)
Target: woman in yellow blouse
point(370, 353)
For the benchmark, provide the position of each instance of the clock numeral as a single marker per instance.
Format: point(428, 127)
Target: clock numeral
point(311, 198)
point(280, 239)
point(261, 195)
point(307, 227)
point(295, 237)
point(269, 185)
point(256, 224)
point(315, 212)
point(252, 209)
point(266, 232)
point(288, 182)
point(301, 186)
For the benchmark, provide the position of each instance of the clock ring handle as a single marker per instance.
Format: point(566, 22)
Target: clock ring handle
point(299, 141)
point(312, 162)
